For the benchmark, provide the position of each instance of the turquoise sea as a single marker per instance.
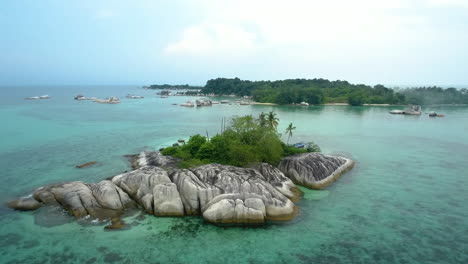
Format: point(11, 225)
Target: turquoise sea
point(406, 200)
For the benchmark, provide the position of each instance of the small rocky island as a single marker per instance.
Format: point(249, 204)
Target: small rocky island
point(221, 194)
point(226, 179)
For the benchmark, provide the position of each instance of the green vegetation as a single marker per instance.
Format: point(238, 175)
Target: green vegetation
point(315, 91)
point(320, 91)
point(247, 140)
point(175, 87)
point(289, 131)
point(435, 95)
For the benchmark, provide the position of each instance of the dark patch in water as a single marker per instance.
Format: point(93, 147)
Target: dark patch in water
point(50, 216)
point(356, 219)
point(66, 257)
point(188, 228)
point(317, 259)
point(30, 243)
point(112, 257)
point(9, 239)
point(91, 261)
point(102, 249)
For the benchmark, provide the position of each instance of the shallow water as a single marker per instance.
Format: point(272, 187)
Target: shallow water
point(404, 202)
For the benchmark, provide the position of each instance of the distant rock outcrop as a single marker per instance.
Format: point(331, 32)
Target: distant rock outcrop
point(314, 170)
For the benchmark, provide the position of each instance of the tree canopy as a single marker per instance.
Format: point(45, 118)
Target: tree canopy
point(320, 91)
point(247, 140)
point(315, 91)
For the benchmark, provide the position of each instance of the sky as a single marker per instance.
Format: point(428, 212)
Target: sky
point(100, 42)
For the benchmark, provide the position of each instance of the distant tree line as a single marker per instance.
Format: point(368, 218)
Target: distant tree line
point(435, 95)
point(319, 91)
point(176, 86)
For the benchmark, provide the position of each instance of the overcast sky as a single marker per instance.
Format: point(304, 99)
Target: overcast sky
point(400, 42)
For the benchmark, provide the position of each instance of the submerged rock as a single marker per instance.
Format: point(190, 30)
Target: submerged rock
point(85, 165)
point(227, 194)
point(153, 190)
point(116, 223)
point(314, 170)
point(24, 204)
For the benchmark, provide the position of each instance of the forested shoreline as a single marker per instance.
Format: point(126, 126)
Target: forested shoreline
point(322, 91)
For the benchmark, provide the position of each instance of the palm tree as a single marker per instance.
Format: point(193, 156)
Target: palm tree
point(289, 131)
point(262, 118)
point(272, 120)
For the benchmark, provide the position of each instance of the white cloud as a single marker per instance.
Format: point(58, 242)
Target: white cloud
point(213, 38)
point(360, 38)
point(294, 23)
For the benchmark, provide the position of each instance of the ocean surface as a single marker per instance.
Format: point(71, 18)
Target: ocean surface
point(406, 200)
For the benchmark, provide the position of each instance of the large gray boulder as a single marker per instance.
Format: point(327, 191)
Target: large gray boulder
point(99, 200)
point(227, 194)
point(314, 170)
point(153, 190)
point(277, 178)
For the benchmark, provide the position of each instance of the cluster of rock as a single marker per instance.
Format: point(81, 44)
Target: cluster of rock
point(109, 100)
point(198, 103)
point(203, 102)
point(222, 194)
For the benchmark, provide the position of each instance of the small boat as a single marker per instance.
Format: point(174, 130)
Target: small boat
point(225, 101)
point(37, 97)
point(244, 103)
point(130, 96)
point(188, 104)
point(304, 104)
point(163, 96)
point(299, 145)
point(215, 102)
point(413, 110)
